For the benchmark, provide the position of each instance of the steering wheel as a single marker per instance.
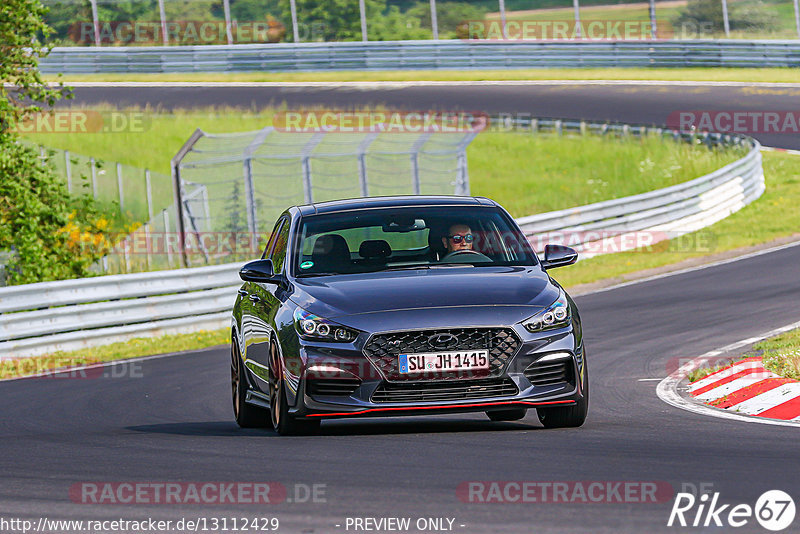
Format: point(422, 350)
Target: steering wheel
point(466, 256)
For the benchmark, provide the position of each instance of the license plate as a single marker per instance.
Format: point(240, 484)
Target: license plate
point(459, 360)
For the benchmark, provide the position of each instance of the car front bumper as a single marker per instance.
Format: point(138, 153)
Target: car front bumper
point(327, 367)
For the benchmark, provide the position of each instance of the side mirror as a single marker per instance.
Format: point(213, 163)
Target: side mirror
point(258, 271)
point(558, 256)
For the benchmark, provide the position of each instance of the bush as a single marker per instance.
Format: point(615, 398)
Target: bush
point(448, 16)
point(707, 14)
point(50, 234)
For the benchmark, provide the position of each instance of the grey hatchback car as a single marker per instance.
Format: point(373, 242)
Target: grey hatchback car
point(404, 306)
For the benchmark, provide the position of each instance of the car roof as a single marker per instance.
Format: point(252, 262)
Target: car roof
point(351, 204)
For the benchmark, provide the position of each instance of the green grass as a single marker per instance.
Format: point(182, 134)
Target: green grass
point(526, 173)
point(781, 354)
point(774, 75)
point(137, 347)
point(531, 174)
point(774, 215)
point(157, 142)
point(698, 374)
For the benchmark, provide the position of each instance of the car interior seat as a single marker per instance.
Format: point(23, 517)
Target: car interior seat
point(374, 252)
point(331, 254)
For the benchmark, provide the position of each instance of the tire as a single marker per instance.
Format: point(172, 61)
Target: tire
point(513, 414)
point(282, 421)
point(246, 415)
point(568, 416)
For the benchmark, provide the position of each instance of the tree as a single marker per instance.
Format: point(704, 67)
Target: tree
point(701, 16)
point(340, 20)
point(448, 16)
point(50, 234)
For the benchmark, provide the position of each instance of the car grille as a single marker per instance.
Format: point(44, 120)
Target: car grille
point(444, 391)
point(550, 373)
point(383, 351)
point(332, 386)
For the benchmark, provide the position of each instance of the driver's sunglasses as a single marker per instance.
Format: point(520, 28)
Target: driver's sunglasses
point(458, 238)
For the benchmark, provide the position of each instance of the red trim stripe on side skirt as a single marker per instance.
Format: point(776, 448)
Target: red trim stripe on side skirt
point(443, 406)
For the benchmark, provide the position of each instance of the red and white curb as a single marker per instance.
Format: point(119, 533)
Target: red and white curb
point(744, 391)
point(747, 387)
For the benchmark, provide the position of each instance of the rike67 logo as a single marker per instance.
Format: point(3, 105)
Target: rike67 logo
point(774, 510)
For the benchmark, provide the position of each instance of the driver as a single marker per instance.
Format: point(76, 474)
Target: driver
point(459, 237)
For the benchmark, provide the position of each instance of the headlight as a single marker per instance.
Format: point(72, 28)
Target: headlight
point(557, 315)
point(310, 326)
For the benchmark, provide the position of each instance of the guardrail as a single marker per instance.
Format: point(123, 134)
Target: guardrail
point(661, 214)
point(410, 55)
point(72, 314)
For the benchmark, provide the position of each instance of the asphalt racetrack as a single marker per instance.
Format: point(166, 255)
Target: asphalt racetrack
point(170, 420)
point(645, 102)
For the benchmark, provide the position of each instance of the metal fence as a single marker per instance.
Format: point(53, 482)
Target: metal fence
point(134, 197)
point(132, 193)
point(156, 243)
point(72, 314)
point(248, 179)
point(410, 55)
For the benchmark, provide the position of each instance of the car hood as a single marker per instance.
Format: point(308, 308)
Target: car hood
point(504, 293)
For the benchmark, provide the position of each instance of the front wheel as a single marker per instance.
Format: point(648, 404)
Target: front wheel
point(282, 421)
point(568, 416)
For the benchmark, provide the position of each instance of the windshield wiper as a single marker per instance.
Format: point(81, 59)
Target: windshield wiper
point(427, 266)
point(406, 268)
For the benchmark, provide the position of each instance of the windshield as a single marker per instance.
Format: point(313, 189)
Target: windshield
point(408, 238)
